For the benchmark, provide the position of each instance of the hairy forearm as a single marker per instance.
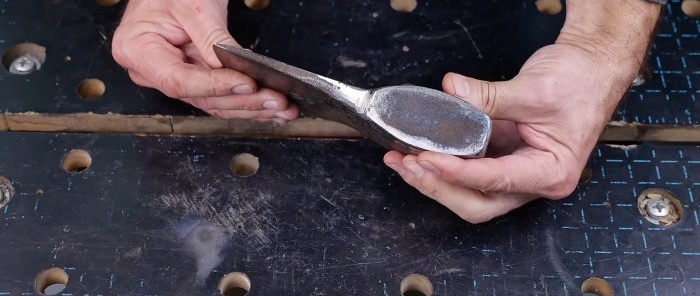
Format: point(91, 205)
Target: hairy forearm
point(619, 31)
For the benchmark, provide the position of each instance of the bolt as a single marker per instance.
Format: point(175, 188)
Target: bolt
point(24, 64)
point(658, 208)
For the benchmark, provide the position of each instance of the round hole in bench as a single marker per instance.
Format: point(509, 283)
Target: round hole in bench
point(91, 89)
point(244, 165)
point(404, 5)
point(416, 285)
point(234, 284)
point(76, 161)
point(51, 281)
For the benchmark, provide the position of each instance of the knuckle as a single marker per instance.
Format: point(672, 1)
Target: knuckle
point(137, 79)
point(119, 51)
point(475, 217)
point(215, 113)
point(562, 186)
point(171, 87)
point(216, 36)
point(546, 92)
point(250, 105)
point(209, 104)
point(489, 94)
point(500, 185)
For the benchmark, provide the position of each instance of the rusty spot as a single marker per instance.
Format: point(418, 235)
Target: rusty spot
point(7, 191)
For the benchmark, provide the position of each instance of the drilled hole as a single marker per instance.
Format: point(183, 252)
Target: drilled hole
point(416, 285)
point(691, 8)
point(660, 207)
point(549, 7)
point(76, 161)
point(586, 175)
point(596, 286)
point(256, 4)
point(108, 2)
point(51, 281)
point(7, 191)
point(244, 165)
point(404, 5)
point(234, 284)
point(24, 58)
point(91, 89)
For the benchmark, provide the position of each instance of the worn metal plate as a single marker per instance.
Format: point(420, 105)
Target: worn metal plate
point(324, 218)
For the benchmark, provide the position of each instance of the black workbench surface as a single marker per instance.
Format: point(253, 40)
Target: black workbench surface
point(163, 215)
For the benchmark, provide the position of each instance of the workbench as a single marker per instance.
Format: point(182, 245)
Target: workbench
point(132, 193)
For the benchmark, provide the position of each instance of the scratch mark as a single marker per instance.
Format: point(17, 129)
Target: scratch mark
point(244, 212)
point(470, 38)
point(350, 63)
point(557, 264)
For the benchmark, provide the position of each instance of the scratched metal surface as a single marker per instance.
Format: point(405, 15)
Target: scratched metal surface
point(324, 218)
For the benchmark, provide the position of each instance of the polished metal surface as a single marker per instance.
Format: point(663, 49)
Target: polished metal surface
point(409, 119)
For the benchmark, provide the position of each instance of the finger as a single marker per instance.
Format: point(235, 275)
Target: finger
point(493, 98)
point(164, 68)
point(193, 55)
point(292, 112)
point(264, 99)
point(205, 23)
point(504, 138)
point(284, 116)
point(263, 115)
point(528, 171)
point(471, 205)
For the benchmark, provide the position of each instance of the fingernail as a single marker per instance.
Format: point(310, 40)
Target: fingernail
point(415, 169)
point(280, 120)
point(271, 105)
point(429, 167)
point(242, 89)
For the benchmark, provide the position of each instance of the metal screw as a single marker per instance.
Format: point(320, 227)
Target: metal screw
point(658, 208)
point(25, 64)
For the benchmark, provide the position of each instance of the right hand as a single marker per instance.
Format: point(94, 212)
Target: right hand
point(167, 45)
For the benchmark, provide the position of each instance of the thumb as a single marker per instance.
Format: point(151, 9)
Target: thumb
point(207, 26)
point(492, 98)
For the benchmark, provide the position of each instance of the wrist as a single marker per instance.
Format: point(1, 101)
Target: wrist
point(616, 33)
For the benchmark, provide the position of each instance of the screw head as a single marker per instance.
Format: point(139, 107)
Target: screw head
point(658, 208)
point(24, 64)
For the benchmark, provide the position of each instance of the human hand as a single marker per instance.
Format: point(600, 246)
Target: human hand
point(167, 45)
point(547, 121)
